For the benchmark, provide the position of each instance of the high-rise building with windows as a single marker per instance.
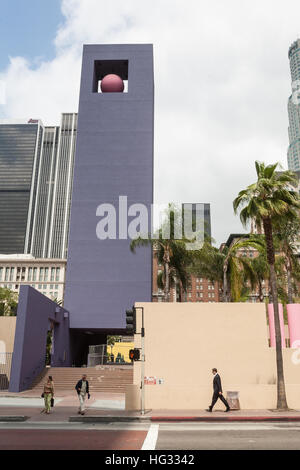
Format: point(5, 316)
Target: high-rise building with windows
point(20, 150)
point(294, 108)
point(36, 174)
point(54, 188)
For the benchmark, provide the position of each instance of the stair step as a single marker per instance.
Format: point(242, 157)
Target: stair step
point(105, 379)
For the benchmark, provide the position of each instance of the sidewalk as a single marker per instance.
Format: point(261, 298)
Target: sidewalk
point(105, 407)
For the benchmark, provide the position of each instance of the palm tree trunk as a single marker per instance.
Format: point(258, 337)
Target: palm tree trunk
point(260, 292)
point(225, 281)
point(225, 286)
point(289, 283)
point(281, 394)
point(166, 259)
point(167, 281)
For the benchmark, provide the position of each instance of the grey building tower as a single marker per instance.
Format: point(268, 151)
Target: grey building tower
point(200, 218)
point(114, 157)
point(20, 150)
point(36, 176)
point(54, 188)
point(293, 153)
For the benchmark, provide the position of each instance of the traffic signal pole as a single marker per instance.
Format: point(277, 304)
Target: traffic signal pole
point(142, 363)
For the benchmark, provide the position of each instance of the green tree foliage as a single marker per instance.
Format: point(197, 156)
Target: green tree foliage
point(265, 202)
point(8, 302)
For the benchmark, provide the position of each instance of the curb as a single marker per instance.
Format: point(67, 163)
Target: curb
point(177, 419)
point(220, 419)
point(13, 419)
point(109, 419)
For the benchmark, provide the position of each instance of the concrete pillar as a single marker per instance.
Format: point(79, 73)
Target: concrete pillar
point(293, 311)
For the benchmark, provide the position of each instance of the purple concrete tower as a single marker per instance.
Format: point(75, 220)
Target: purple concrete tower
point(114, 157)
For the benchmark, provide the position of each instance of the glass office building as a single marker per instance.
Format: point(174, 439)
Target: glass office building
point(294, 108)
point(20, 149)
point(54, 189)
point(36, 174)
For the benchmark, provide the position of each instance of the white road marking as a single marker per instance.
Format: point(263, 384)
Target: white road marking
point(151, 438)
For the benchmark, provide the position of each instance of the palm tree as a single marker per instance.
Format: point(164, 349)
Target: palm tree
point(171, 252)
point(264, 202)
point(238, 269)
point(227, 267)
point(286, 234)
point(175, 259)
point(260, 268)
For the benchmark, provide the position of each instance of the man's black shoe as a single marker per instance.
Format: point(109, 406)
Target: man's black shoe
point(209, 410)
point(227, 409)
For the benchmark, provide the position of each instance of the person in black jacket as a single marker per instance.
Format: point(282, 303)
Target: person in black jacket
point(82, 389)
point(218, 392)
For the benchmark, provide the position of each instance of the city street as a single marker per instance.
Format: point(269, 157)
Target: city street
point(146, 436)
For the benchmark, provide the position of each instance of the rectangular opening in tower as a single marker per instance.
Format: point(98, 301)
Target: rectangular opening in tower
point(102, 68)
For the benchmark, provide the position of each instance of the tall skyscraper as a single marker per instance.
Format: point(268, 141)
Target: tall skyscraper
point(54, 189)
point(36, 174)
point(294, 108)
point(20, 150)
point(200, 216)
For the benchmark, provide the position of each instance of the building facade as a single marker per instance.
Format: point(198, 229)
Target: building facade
point(20, 151)
point(54, 189)
point(200, 289)
point(46, 275)
point(114, 158)
point(293, 154)
point(36, 174)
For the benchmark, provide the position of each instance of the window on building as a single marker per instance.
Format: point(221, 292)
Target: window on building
point(46, 274)
point(57, 274)
point(52, 274)
point(29, 274)
point(34, 274)
point(6, 274)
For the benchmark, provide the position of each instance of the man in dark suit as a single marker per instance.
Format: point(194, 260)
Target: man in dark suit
point(82, 389)
point(218, 392)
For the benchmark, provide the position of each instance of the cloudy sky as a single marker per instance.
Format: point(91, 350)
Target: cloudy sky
point(222, 82)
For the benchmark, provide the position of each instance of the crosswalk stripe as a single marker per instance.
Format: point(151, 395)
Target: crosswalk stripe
point(151, 438)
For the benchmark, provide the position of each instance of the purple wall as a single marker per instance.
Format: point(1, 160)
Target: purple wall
point(114, 157)
point(35, 313)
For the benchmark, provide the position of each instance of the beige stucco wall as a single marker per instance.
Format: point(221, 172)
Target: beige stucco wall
point(7, 332)
point(184, 341)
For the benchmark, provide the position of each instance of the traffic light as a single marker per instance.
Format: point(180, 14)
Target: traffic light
point(131, 321)
point(134, 354)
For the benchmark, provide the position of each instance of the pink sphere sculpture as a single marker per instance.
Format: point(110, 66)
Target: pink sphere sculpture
point(112, 83)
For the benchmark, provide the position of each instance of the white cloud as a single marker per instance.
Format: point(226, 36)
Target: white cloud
point(222, 82)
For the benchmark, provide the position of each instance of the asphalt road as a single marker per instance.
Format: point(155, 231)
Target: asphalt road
point(246, 436)
point(127, 436)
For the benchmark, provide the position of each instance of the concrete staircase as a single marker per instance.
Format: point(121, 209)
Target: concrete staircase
point(111, 379)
